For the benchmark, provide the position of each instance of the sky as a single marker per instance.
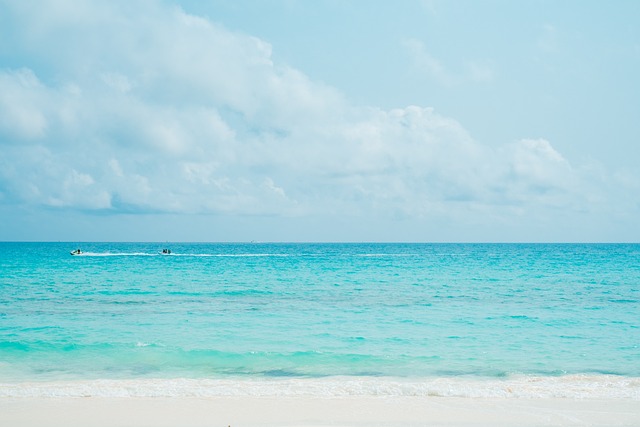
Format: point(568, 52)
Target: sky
point(323, 120)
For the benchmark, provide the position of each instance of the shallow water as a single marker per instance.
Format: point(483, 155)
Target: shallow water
point(290, 312)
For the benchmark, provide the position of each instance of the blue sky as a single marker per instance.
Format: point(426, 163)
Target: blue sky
point(320, 120)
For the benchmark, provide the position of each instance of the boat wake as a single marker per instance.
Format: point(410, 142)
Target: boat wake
point(172, 254)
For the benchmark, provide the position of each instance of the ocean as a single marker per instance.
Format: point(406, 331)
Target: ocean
point(466, 320)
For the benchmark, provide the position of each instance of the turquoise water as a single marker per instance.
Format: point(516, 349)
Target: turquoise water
point(319, 312)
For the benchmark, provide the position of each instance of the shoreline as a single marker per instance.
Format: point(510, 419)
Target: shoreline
point(355, 411)
point(577, 400)
point(577, 386)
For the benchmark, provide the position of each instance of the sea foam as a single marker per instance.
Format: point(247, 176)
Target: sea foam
point(526, 387)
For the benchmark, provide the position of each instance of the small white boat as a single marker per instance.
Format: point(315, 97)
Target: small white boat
point(76, 252)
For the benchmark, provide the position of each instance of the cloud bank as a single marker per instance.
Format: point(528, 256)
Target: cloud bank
point(143, 108)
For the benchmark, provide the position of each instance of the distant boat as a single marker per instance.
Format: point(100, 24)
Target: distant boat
point(76, 252)
point(166, 252)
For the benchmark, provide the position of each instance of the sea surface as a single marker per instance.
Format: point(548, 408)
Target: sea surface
point(469, 320)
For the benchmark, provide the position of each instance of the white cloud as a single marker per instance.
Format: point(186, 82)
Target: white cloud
point(475, 71)
point(20, 105)
point(154, 110)
point(427, 63)
point(117, 81)
point(536, 160)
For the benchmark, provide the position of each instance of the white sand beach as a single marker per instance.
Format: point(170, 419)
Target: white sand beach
point(314, 411)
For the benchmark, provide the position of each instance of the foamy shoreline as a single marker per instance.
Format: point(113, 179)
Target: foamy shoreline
point(518, 387)
point(572, 400)
point(314, 411)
